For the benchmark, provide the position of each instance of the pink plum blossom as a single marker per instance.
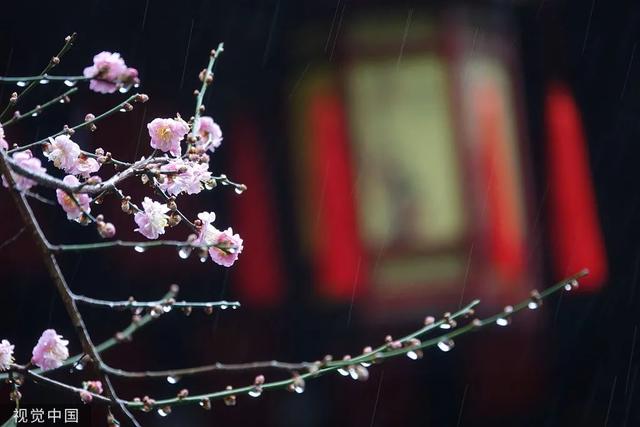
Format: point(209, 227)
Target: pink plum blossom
point(26, 160)
point(63, 152)
point(50, 351)
point(74, 212)
point(152, 220)
point(224, 245)
point(85, 396)
point(166, 134)
point(3, 142)
point(105, 72)
point(85, 166)
point(210, 133)
point(189, 177)
point(227, 248)
point(6, 355)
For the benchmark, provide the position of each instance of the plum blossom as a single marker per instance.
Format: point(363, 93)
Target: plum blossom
point(105, 72)
point(3, 142)
point(27, 161)
point(74, 212)
point(224, 245)
point(6, 355)
point(227, 248)
point(93, 386)
point(166, 134)
point(210, 133)
point(50, 351)
point(63, 152)
point(84, 166)
point(152, 220)
point(189, 177)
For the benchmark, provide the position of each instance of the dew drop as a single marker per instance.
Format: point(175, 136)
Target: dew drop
point(162, 412)
point(353, 373)
point(173, 379)
point(255, 392)
point(61, 101)
point(366, 364)
point(184, 252)
point(203, 258)
point(343, 372)
point(44, 82)
point(35, 114)
point(69, 83)
point(446, 345)
point(21, 84)
point(533, 305)
point(234, 307)
point(122, 110)
point(166, 308)
point(124, 89)
point(412, 355)
point(239, 190)
point(503, 321)
point(223, 307)
point(298, 388)
point(139, 249)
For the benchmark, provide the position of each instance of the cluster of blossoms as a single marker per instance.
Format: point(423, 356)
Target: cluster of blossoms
point(49, 353)
point(67, 155)
point(174, 174)
point(109, 73)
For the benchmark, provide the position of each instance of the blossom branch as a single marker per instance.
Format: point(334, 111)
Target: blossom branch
point(207, 79)
point(130, 244)
point(68, 42)
point(39, 108)
point(119, 337)
point(404, 346)
point(61, 285)
point(163, 303)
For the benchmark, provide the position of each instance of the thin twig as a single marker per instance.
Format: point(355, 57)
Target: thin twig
point(52, 63)
point(38, 109)
point(106, 114)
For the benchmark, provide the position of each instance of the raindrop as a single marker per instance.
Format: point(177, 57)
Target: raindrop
point(448, 324)
point(21, 84)
point(234, 307)
point(123, 110)
point(366, 364)
point(166, 308)
point(413, 355)
point(184, 252)
point(446, 345)
point(353, 373)
point(210, 184)
point(255, 392)
point(533, 305)
point(223, 307)
point(139, 249)
point(79, 366)
point(203, 258)
point(61, 101)
point(343, 372)
point(503, 321)
point(35, 114)
point(136, 85)
point(173, 379)
point(69, 83)
point(239, 190)
point(163, 412)
point(124, 89)
point(44, 82)
point(299, 388)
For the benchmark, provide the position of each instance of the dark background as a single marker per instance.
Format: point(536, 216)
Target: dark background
point(582, 364)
